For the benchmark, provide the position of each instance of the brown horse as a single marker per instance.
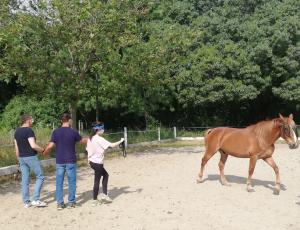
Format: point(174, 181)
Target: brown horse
point(254, 142)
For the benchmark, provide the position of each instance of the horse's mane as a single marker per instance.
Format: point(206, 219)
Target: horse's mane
point(263, 129)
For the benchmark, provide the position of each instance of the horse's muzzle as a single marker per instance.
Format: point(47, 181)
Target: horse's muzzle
point(294, 145)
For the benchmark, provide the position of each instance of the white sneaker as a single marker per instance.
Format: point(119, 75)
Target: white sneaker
point(38, 203)
point(95, 203)
point(106, 198)
point(27, 205)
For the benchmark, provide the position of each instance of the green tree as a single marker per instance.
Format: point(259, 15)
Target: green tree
point(55, 47)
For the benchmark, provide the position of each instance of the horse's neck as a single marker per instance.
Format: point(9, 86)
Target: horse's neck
point(267, 132)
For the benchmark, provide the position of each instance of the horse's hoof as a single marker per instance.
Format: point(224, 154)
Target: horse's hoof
point(226, 184)
point(199, 181)
point(276, 191)
point(250, 189)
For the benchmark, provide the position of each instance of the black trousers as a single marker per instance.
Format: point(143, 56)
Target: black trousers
point(99, 171)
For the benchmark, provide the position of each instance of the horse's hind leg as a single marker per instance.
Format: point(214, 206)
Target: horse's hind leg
point(205, 158)
point(222, 162)
point(270, 161)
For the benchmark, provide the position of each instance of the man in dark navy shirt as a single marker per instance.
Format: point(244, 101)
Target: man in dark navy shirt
point(26, 152)
point(64, 139)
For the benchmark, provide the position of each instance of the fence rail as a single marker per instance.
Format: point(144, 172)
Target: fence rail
point(132, 138)
point(7, 153)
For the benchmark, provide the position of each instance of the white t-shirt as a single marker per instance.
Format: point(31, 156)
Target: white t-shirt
point(96, 148)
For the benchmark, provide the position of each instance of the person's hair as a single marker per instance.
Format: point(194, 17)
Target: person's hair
point(65, 117)
point(94, 131)
point(24, 118)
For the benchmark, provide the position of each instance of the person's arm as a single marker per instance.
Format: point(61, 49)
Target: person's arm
point(34, 145)
point(115, 144)
point(84, 140)
point(48, 148)
point(16, 148)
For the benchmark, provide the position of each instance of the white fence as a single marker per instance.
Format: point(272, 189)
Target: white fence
point(157, 135)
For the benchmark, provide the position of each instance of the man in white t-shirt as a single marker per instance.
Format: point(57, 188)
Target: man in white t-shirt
point(96, 147)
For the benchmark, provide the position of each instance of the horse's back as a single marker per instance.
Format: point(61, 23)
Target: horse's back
point(233, 141)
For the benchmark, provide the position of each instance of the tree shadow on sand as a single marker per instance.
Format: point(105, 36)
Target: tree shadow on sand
point(232, 179)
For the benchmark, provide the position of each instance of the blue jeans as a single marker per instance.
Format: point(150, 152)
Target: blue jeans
point(61, 169)
point(27, 164)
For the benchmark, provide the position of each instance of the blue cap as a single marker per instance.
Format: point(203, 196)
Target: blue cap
point(98, 127)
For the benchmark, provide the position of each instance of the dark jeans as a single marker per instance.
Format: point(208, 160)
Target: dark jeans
point(99, 171)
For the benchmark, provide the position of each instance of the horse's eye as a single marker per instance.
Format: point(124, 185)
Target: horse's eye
point(286, 130)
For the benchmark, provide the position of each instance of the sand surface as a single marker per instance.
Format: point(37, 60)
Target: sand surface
point(157, 189)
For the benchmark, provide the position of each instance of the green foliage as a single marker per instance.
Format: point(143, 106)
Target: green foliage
point(189, 62)
point(57, 46)
point(45, 111)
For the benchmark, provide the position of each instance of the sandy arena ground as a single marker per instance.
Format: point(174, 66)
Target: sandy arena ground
point(157, 189)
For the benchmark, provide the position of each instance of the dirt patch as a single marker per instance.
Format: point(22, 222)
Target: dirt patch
point(157, 189)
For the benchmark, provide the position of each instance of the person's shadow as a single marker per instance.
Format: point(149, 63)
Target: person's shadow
point(50, 195)
point(298, 201)
point(83, 197)
point(113, 193)
point(242, 180)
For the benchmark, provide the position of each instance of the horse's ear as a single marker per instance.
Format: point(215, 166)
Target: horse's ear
point(279, 122)
point(291, 116)
point(281, 117)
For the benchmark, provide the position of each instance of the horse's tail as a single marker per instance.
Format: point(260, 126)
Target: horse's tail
point(207, 132)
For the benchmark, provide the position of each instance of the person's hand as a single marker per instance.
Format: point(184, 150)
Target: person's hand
point(44, 153)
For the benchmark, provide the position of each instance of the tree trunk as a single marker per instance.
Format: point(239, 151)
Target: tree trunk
point(73, 110)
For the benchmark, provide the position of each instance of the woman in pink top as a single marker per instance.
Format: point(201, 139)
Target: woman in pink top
point(96, 147)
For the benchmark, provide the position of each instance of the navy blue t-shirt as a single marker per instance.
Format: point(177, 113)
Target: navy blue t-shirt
point(65, 139)
point(21, 136)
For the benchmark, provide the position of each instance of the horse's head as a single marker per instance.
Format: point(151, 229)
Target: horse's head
point(288, 131)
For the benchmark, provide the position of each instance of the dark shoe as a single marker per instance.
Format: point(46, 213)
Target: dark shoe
point(71, 205)
point(60, 206)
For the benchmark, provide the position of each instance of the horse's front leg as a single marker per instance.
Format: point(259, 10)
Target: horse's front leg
point(252, 164)
point(222, 166)
point(270, 161)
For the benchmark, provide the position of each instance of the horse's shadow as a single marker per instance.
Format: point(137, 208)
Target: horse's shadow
point(232, 179)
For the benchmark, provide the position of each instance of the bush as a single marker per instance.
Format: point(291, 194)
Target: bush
point(44, 111)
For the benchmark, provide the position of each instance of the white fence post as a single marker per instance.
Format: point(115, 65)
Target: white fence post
point(80, 126)
point(125, 137)
point(158, 130)
point(175, 134)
